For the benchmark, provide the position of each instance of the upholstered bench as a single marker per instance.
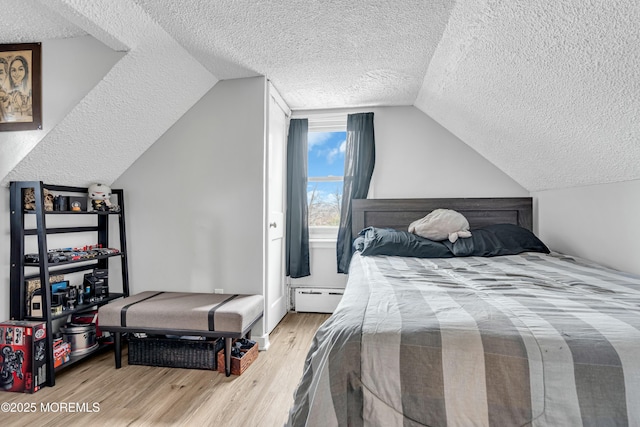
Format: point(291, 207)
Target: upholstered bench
point(180, 313)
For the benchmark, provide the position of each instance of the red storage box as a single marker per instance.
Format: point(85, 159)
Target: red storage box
point(23, 355)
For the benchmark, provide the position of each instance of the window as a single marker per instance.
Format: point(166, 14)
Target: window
point(324, 188)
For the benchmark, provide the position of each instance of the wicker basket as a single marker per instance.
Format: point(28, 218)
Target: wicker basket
point(239, 364)
point(174, 353)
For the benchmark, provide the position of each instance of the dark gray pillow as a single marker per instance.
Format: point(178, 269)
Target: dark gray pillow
point(497, 239)
point(387, 241)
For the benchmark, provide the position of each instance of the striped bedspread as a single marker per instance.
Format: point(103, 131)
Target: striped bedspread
point(523, 340)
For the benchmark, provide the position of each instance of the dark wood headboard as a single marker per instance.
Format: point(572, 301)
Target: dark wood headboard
point(399, 213)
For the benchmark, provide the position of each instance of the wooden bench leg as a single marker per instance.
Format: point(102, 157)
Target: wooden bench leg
point(118, 350)
point(227, 356)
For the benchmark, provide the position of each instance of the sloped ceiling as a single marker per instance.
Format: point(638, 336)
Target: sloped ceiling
point(547, 91)
point(128, 110)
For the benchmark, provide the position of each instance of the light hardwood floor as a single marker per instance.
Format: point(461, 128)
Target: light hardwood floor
point(152, 396)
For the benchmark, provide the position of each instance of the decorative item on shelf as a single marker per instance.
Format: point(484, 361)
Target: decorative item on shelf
point(80, 294)
point(30, 200)
point(56, 308)
point(96, 285)
point(100, 195)
point(72, 254)
point(58, 298)
point(71, 298)
point(77, 204)
point(59, 286)
point(35, 304)
point(33, 296)
point(61, 203)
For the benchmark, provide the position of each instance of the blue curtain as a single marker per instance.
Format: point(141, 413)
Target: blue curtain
point(297, 243)
point(359, 160)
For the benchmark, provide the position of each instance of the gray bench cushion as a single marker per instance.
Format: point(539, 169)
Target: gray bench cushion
point(183, 311)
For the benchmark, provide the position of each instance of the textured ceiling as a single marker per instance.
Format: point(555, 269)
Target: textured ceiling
point(113, 122)
point(547, 91)
point(25, 21)
point(317, 54)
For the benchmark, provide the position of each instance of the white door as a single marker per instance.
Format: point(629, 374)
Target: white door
point(276, 296)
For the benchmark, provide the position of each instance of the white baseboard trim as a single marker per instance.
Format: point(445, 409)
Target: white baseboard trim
point(263, 342)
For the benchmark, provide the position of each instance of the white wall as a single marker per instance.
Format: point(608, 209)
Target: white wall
point(415, 157)
point(194, 199)
point(323, 265)
point(596, 222)
point(64, 83)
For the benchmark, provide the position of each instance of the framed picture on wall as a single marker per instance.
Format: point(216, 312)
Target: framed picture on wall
point(20, 87)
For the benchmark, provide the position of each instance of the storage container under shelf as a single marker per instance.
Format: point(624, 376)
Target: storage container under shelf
point(317, 300)
point(242, 363)
point(174, 353)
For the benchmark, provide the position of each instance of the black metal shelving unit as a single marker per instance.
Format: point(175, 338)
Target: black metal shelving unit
point(43, 268)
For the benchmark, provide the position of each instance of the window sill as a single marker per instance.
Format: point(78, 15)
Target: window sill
point(323, 236)
point(323, 243)
point(317, 239)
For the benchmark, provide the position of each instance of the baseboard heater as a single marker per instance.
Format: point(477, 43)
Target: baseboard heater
point(317, 300)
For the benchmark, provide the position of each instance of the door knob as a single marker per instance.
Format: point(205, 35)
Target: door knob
point(273, 225)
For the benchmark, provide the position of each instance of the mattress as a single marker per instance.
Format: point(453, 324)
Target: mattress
point(527, 339)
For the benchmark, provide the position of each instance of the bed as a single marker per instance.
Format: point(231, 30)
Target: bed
point(526, 339)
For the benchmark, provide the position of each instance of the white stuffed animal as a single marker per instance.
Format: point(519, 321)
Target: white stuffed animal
point(441, 224)
point(100, 195)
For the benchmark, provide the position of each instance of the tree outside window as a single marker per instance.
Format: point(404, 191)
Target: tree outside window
point(325, 180)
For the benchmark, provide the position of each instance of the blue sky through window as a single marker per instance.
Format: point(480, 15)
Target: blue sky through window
point(326, 153)
point(326, 158)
